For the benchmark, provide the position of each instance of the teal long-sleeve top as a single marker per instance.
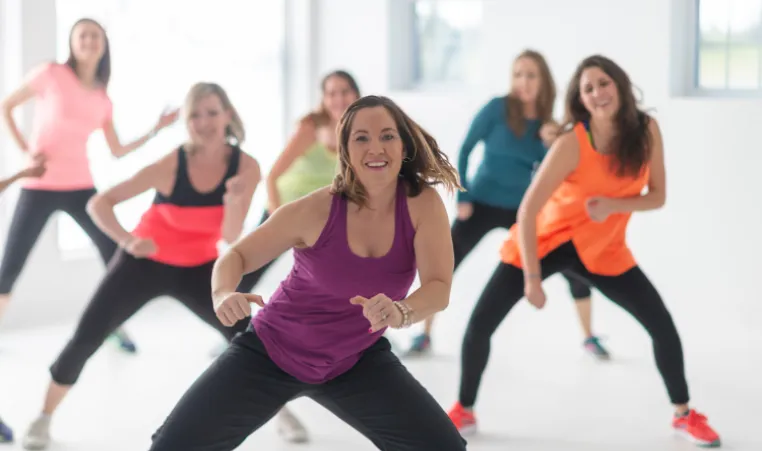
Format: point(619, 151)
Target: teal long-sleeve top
point(509, 160)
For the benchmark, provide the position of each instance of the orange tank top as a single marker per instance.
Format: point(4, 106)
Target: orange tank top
point(601, 245)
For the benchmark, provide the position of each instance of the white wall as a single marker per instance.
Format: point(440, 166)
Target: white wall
point(700, 249)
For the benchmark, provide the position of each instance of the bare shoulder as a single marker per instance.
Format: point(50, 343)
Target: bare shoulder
point(163, 172)
point(567, 142)
point(309, 213)
point(653, 128)
point(249, 165)
point(427, 205)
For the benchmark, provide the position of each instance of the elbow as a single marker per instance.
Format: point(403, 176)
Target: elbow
point(96, 204)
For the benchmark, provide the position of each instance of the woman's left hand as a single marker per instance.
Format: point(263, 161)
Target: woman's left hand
point(380, 311)
point(599, 208)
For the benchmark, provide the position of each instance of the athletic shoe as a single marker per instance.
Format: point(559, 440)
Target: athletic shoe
point(6, 434)
point(694, 427)
point(124, 341)
point(421, 345)
point(38, 435)
point(463, 419)
point(594, 347)
point(290, 428)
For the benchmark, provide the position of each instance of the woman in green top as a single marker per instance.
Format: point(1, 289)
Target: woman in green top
point(308, 163)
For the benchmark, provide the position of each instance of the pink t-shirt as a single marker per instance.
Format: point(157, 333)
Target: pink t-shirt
point(66, 114)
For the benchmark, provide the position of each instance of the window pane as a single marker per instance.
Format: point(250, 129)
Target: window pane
point(743, 67)
point(714, 20)
point(157, 54)
point(745, 19)
point(712, 67)
point(447, 33)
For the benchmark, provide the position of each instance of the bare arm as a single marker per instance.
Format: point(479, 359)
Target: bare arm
point(434, 255)
point(304, 137)
point(101, 206)
point(18, 97)
point(119, 150)
point(562, 159)
point(281, 232)
point(657, 183)
point(248, 177)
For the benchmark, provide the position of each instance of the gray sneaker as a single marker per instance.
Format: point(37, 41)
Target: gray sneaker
point(290, 428)
point(38, 435)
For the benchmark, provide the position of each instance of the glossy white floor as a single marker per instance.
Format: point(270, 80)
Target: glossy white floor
point(540, 391)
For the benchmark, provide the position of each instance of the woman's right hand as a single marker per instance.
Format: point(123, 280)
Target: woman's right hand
point(534, 292)
point(465, 210)
point(233, 307)
point(140, 247)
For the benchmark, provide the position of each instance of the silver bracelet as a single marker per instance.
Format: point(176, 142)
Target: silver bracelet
point(407, 314)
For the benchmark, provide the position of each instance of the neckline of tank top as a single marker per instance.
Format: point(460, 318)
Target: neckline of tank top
point(235, 160)
point(339, 211)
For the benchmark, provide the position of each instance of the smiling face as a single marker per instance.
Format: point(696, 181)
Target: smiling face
point(599, 93)
point(337, 96)
point(526, 80)
point(88, 42)
point(374, 147)
point(208, 120)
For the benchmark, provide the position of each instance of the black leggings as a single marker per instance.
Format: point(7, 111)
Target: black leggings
point(467, 233)
point(243, 389)
point(129, 284)
point(33, 209)
point(632, 291)
point(250, 280)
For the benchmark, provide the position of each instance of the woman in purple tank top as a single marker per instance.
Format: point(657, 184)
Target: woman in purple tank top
point(357, 247)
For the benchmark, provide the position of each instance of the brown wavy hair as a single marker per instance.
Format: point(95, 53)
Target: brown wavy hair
point(424, 164)
point(631, 145)
point(546, 97)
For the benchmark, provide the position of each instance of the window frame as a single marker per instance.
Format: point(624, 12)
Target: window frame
point(693, 14)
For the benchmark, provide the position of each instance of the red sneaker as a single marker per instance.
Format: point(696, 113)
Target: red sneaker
point(464, 420)
point(695, 428)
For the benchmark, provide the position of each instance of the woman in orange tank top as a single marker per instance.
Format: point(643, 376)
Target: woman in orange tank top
point(573, 218)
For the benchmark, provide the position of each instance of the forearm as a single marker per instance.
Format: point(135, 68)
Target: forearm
point(6, 182)
point(102, 213)
point(273, 196)
point(10, 124)
point(232, 224)
point(429, 299)
point(125, 149)
point(645, 202)
point(527, 225)
point(227, 273)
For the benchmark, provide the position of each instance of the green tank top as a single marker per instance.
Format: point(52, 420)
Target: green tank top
point(313, 170)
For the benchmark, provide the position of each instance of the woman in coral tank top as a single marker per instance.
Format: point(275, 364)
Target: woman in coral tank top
point(71, 102)
point(574, 218)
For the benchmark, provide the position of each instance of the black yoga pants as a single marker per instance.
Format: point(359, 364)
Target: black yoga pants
point(129, 284)
point(632, 291)
point(467, 233)
point(33, 209)
point(243, 389)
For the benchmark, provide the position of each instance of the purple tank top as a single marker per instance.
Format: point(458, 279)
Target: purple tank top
point(309, 328)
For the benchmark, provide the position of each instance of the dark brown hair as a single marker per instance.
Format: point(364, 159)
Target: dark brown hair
point(320, 116)
point(546, 98)
point(631, 144)
point(424, 162)
point(103, 71)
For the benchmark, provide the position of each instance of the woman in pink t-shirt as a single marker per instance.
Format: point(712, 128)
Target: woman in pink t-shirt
point(71, 103)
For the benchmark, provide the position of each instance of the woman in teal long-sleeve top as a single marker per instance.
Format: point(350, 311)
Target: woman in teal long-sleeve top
point(517, 131)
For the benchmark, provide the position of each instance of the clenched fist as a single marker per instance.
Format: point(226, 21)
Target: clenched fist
point(233, 307)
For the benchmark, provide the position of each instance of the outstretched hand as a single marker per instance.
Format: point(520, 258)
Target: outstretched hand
point(380, 311)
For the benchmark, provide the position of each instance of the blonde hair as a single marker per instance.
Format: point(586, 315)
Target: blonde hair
point(424, 163)
point(234, 132)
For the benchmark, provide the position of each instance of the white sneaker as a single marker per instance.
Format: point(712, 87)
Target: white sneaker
point(38, 435)
point(290, 428)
